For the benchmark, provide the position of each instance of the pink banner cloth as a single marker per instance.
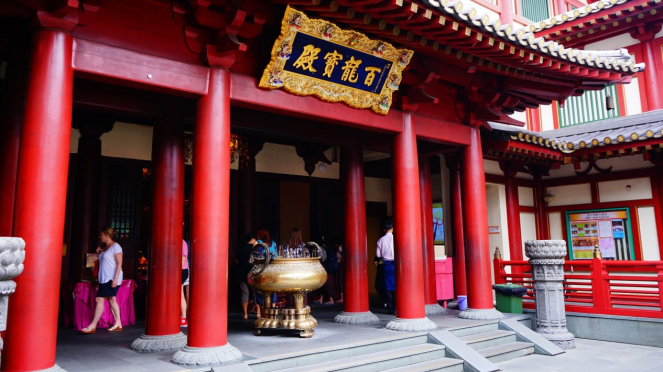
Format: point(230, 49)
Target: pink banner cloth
point(84, 303)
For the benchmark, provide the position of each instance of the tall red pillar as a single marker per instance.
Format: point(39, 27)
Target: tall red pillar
point(475, 216)
point(41, 193)
point(506, 11)
point(85, 216)
point(513, 218)
point(652, 82)
point(355, 254)
point(162, 319)
point(208, 320)
point(11, 118)
point(460, 268)
point(428, 238)
point(407, 233)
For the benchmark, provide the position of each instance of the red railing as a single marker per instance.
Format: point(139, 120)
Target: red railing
point(627, 288)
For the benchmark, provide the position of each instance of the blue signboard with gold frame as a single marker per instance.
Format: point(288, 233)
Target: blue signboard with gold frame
point(315, 57)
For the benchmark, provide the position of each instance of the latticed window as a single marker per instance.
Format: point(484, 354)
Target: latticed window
point(534, 10)
point(123, 210)
point(588, 107)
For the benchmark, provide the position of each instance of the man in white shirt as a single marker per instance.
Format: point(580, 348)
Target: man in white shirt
point(385, 252)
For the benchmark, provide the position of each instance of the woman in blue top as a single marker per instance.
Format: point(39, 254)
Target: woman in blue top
point(263, 237)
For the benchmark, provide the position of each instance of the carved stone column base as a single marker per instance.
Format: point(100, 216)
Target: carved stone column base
point(55, 368)
point(565, 340)
point(148, 344)
point(356, 318)
point(422, 324)
point(435, 309)
point(480, 314)
point(205, 356)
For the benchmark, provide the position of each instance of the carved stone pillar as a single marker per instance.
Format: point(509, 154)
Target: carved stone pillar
point(547, 261)
point(12, 255)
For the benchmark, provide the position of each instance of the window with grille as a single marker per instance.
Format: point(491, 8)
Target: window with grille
point(588, 107)
point(534, 10)
point(123, 210)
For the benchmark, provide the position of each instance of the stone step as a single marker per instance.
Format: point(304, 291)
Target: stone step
point(442, 364)
point(335, 353)
point(472, 327)
point(378, 361)
point(509, 351)
point(485, 340)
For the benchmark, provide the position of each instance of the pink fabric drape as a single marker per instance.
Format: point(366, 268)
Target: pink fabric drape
point(84, 303)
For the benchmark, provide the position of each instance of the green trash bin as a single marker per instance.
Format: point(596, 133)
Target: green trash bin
point(510, 298)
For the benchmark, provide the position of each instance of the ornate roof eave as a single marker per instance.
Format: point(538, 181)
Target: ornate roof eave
point(592, 21)
point(633, 131)
point(609, 61)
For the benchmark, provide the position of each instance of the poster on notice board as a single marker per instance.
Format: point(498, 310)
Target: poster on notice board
point(438, 223)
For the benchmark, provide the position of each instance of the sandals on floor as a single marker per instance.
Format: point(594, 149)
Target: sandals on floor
point(93, 330)
point(114, 329)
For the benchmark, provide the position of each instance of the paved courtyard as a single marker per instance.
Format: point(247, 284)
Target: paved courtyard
point(104, 351)
point(592, 356)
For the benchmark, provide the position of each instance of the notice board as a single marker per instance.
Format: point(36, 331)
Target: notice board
point(610, 229)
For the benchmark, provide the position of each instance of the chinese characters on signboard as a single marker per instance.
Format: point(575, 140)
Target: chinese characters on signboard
point(315, 57)
point(605, 229)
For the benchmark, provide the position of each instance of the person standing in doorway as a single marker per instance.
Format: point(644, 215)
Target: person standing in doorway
point(385, 253)
point(110, 279)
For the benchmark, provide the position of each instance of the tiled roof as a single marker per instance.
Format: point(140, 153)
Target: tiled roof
point(575, 14)
point(617, 60)
point(625, 129)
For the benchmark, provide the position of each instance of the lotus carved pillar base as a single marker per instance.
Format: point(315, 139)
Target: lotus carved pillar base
point(12, 255)
point(547, 261)
point(356, 318)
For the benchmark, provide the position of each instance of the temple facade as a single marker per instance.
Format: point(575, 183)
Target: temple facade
point(204, 120)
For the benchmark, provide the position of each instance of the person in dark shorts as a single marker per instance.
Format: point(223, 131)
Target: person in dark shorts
point(110, 279)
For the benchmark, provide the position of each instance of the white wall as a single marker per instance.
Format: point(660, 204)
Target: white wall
point(283, 159)
point(612, 43)
point(632, 95)
point(378, 190)
point(570, 195)
point(648, 234)
point(496, 200)
point(556, 225)
point(547, 122)
point(129, 141)
point(527, 228)
point(640, 188)
point(526, 196)
point(617, 163)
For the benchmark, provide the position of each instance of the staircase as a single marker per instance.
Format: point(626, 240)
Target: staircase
point(470, 345)
point(492, 343)
point(410, 353)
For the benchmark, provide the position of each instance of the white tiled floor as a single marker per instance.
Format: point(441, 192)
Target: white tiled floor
point(590, 356)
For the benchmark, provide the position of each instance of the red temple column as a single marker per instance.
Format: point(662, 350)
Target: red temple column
point(513, 218)
point(162, 319)
point(652, 81)
point(506, 11)
point(208, 320)
point(355, 254)
point(11, 118)
point(408, 259)
point(41, 192)
point(428, 238)
point(460, 268)
point(85, 225)
point(475, 218)
point(248, 189)
point(560, 7)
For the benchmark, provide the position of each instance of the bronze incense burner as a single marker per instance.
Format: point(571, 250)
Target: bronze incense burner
point(296, 271)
